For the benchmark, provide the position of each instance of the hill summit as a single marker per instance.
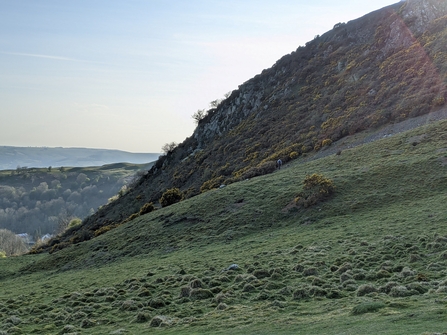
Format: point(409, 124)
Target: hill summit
point(385, 67)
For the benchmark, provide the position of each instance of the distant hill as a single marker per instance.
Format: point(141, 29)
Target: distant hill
point(40, 157)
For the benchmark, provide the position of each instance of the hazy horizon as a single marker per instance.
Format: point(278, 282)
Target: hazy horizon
point(82, 148)
point(129, 75)
point(12, 157)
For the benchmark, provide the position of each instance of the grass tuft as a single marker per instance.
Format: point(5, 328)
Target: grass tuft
point(368, 307)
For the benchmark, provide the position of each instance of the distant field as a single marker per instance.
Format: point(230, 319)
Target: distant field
point(371, 260)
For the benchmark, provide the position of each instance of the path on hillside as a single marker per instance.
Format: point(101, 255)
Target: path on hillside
point(368, 136)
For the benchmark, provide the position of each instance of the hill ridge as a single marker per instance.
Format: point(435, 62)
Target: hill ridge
point(40, 157)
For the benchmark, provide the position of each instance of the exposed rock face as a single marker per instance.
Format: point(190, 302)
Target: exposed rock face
point(404, 20)
point(400, 36)
point(419, 13)
point(245, 101)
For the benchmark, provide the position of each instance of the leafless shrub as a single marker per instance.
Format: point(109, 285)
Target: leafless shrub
point(199, 115)
point(169, 147)
point(11, 244)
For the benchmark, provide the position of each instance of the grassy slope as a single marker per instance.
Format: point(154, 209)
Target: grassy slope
point(301, 271)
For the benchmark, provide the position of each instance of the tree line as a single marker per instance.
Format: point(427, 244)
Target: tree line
point(40, 201)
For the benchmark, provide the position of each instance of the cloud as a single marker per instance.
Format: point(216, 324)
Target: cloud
point(41, 56)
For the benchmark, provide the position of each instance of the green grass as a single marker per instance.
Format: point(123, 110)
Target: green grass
point(370, 260)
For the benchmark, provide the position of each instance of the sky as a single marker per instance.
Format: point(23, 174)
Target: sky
point(129, 74)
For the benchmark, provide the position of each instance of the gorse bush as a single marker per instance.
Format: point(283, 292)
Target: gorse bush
point(170, 197)
point(294, 155)
point(260, 170)
point(132, 217)
point(147, 208)
point(326, 142)
point(74, 222)
point(105, 229)
point(318, 182)
point(212, 183)
point(316, 188)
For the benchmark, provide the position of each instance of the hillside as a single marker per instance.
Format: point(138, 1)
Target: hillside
point(250, 250)
point(369, 260)
point(43, 157)
point(385, 67)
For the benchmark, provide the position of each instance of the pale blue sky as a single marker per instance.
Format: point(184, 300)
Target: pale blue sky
point(129, 74)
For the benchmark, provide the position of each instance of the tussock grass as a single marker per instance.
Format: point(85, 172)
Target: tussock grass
point(371, 259)
point(368, 307)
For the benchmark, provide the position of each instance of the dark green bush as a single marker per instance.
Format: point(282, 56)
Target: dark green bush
point(59, 246)
point(81, 236)
point(147, 208)
point(170, 197)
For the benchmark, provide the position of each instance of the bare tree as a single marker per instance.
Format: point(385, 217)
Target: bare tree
point(11, 244)
point(169, 147)
point(215, 103)
point(199, 115)
point(63, 220)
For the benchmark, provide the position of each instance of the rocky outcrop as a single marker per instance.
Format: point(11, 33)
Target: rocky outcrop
point(399, 23)
point(417, 14)
point(231, 112)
